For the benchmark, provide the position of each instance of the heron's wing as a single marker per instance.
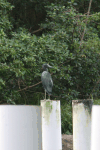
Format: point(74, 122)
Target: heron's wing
point(47, 81)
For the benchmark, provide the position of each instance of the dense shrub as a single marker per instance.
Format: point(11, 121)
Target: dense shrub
point(75, 57)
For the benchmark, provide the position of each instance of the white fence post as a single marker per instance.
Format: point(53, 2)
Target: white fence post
point(95, 129)
point(82, 124)
point(51, 125)
point(20, 127)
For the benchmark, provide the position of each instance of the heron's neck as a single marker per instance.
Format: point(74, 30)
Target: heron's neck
point(46, 69)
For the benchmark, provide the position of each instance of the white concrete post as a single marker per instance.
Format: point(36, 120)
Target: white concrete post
point(95, 129)
point(51, 125)
point(20, 127)
point(82, 124)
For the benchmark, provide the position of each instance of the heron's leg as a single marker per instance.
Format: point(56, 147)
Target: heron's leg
point(45, 94)
point(49, 96)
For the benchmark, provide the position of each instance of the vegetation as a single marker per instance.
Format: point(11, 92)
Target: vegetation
point(64, 34)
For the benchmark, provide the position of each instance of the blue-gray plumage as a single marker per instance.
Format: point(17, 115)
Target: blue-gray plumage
point(47, 80)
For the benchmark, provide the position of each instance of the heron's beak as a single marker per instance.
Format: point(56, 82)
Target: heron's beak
point(50, 66)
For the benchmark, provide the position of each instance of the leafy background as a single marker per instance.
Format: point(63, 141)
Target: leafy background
point(64, 34)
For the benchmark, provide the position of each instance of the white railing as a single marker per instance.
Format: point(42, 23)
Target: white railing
point(25, 127)
point(81, 124)
point(51, 125)
point(95, 138)
point(86, 125)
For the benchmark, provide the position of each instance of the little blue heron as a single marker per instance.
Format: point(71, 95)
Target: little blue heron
point(46, 79)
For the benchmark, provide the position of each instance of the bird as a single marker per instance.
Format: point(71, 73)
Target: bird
point(46, 79)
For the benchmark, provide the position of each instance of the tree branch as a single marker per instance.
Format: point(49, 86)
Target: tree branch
point(86, 22)
point(29, 87)
point(37, 30)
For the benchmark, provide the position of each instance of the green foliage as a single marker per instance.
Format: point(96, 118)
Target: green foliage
point(18, 60)
point(75, 56)
point(66, 118)
point(28, 13)
point(96, 102)
point(5, 8)
point(80, 64)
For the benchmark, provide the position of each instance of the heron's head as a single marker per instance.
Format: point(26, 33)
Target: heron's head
point(46, 66)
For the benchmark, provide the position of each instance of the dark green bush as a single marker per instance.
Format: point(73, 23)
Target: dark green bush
point(75, 57)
